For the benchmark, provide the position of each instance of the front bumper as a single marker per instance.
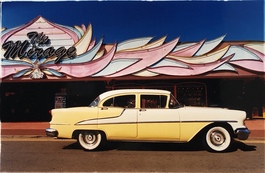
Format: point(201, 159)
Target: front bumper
point(242, 133)
point(51, 132)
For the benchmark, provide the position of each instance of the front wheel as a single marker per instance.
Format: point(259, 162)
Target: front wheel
point(217, 139)
point(90, 140)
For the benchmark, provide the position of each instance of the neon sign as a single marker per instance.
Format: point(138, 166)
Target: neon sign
point(33, 47)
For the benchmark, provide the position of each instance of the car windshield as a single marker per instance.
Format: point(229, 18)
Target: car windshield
point(94, 103)
point(173, 103)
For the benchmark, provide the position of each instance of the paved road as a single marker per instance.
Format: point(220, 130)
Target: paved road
point(49, 155)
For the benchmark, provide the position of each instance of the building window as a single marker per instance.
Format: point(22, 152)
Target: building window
point(192, 94)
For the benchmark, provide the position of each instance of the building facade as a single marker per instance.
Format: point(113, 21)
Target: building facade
point(46, 65)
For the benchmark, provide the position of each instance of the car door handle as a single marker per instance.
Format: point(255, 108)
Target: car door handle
point(142, 110)
point(104, 108)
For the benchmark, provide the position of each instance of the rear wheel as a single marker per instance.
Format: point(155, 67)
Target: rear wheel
point(217, 139)
point(90, 140)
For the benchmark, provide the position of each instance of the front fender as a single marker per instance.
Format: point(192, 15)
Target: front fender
point(188, 130)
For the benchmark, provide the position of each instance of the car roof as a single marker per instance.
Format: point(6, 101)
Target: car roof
point(132, 91)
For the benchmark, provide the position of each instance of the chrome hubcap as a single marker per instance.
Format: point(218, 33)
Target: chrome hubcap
point(89, 138)
point(217, 138)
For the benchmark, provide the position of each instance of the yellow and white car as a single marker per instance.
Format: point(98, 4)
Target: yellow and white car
point(146, 115)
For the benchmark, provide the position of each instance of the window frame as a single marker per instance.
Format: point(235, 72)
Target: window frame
point(114, 97)
point(159, 100)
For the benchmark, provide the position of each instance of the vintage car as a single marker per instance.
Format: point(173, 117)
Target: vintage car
point(147, 115)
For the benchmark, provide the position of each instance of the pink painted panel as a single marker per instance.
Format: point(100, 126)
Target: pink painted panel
point(250, 65)
point(188, 51)
point(193, 70)
point(253, 65)
point(85, 69)
point(10, 69)
point(148, 57)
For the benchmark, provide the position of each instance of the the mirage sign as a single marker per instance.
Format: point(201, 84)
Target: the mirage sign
point(34, 47)
point(53, 51)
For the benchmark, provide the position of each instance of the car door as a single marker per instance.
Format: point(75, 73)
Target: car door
point(117, 117)
point(155, 120)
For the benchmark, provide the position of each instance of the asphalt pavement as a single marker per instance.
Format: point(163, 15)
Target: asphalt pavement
point(14, 129)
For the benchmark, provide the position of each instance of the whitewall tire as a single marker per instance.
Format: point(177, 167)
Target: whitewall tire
point(90, 140)
point(217, 139)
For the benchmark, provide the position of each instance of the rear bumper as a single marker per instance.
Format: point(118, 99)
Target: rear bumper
point(242, 133)
point(51, 132)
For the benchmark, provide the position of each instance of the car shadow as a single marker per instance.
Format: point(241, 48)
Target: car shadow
point(149, 146)
point(73, 146)
point(238, 145)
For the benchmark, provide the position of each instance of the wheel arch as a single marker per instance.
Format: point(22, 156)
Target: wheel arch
point(223, 124)
point(76, 132)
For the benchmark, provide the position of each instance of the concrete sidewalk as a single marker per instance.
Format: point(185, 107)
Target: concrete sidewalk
point(256, 126)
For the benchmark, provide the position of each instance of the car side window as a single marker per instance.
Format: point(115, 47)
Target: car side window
point(153, 101)
point(126, 101)
point(108, 102)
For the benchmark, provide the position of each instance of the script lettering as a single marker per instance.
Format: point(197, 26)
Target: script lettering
point(15, 49)
point(34, 48)
point(36, 38)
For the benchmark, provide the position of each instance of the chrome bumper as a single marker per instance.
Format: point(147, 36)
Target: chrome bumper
point(51, 132)
point(242, 133)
